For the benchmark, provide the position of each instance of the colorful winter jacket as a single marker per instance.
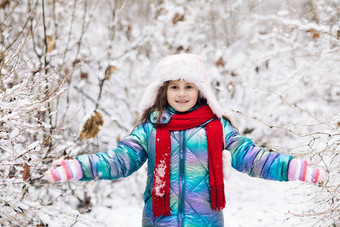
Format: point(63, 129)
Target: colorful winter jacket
point(189, 172)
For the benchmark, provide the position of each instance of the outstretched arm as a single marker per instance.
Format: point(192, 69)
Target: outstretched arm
point(122, 161)
point(257, 162)
point(254, 160)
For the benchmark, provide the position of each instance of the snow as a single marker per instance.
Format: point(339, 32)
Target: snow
point(118, 217)
point(159, 182)
point(279, 82)
point(34, 145)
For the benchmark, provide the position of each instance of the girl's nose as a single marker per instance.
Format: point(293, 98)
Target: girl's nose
point(181, 92)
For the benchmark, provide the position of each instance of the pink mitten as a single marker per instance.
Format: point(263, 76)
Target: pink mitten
point(64, 170)
point(302, 170)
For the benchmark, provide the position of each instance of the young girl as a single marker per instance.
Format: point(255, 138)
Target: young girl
point(183, 135)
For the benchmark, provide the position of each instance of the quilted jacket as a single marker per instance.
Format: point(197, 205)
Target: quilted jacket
point(189, 172)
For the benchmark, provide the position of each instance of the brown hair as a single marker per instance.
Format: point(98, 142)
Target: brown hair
point(160, 104)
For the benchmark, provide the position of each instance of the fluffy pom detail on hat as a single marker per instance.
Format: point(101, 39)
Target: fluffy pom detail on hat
point(189, 67)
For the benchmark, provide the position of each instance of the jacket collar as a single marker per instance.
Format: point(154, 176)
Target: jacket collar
point(167, 114)
point(164, 118)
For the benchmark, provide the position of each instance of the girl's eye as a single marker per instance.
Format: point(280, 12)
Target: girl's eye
point(189, 86)
point(173, 87)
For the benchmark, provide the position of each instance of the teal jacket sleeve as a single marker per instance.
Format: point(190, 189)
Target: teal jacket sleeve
point(122, 161)
point(254, 160)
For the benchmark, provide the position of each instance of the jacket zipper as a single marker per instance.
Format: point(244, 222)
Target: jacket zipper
point(181, 166)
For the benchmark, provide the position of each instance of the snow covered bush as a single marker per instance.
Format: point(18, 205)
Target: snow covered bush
point(26, 134)
point(274, 67)
point(30, 88)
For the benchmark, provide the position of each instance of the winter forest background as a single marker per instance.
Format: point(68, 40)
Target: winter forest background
point(274, 66)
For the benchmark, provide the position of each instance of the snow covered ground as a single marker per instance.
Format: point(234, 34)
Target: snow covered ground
point(251, 202)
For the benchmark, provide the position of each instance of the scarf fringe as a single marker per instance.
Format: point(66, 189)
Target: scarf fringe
point(161, 205)
point(217, 197)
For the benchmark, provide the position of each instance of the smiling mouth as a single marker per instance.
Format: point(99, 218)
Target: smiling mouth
point(182, 101)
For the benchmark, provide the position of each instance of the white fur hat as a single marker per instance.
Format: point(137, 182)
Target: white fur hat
point(189, 67)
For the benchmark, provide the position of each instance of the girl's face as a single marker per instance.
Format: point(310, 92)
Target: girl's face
point(182, 95)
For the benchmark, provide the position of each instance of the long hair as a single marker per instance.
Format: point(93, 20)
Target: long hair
point(160, 104)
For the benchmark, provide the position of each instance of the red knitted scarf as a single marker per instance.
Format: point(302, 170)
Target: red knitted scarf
point(160, 191)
